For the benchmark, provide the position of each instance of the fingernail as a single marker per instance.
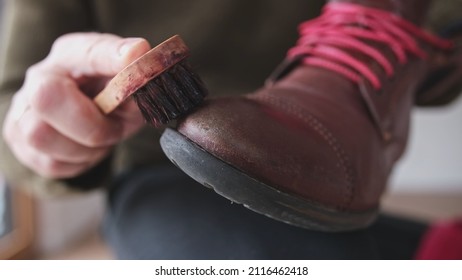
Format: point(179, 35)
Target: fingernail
point(128, 44)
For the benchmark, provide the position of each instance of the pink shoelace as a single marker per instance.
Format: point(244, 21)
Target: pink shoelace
point(345, 26)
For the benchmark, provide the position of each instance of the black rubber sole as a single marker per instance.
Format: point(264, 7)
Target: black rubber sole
point(238, 187)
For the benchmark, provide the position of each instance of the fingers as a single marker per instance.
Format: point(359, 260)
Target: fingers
point(88, 54)
point(52, 126)
point(57, 100)
point(46, 140)
point(45, 165)
point(43, 150)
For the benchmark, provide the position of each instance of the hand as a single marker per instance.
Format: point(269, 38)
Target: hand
point(53, 127)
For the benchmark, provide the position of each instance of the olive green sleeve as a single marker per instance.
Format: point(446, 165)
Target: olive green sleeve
point(444, 13)
point(29, 28)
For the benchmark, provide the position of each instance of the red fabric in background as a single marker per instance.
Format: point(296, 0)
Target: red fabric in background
point(443, 241)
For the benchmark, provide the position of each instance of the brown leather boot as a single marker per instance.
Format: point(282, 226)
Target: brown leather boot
point(315, 146)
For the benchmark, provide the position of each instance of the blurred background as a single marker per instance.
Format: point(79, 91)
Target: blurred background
point(433, 161)
point(426, 186)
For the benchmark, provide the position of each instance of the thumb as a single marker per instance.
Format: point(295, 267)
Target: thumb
point(95, 54)
point(131, 49)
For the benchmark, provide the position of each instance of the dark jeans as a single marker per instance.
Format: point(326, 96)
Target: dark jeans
point(161, 213)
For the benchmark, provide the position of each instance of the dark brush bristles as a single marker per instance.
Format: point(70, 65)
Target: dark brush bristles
point(170, 95)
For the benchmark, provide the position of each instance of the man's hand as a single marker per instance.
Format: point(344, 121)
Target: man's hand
point(53, 127)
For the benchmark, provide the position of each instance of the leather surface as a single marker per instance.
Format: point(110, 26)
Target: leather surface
point(315, 134)
point(299, 139)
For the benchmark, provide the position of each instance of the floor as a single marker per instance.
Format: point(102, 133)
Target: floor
point(424, 207)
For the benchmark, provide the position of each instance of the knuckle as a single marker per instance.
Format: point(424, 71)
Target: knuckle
point(95, 51)
point(7, 132)
point(96, 138)
point(7, 137)
point(102, 53)
point(10, 126)
point(36, 135)
point(32, 71)
point(57, 44)
point(62, 42)
point(48, 167)
point(39, 87)
point(45, 95)
point(41, 95)
point(53, 169)
point(84, 39)
point(34, 74)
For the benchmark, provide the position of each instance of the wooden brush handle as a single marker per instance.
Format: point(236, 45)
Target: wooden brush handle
point(138, 73)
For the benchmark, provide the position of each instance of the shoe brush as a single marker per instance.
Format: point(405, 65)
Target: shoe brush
point(161, 82)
